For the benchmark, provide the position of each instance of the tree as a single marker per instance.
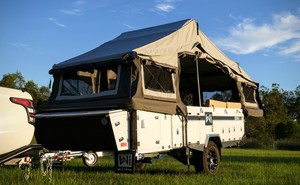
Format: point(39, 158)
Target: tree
point(256, 128)
point(276, 110)
point(296, 107)
point(276, 124)
point(16, 81)
point(33, 89)
point(13, 80)
point(45, 92)
point(284, 130)
point(222, 95)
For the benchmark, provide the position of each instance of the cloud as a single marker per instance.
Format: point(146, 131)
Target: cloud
point(21, 45)
point(79, 2)
point(74, 11)
point(128, 26)
point(248, 37)
point(76, 8)
point(52, 19)
point(165, 7)
point(292, 50)
point(60, 24)
point(56, 22)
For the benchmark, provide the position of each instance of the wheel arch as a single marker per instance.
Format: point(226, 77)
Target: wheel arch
point(216, 139)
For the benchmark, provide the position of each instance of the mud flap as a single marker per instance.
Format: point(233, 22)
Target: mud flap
point(125, 161)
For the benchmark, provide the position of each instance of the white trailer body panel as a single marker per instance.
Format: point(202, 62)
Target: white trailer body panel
point(150, 128)
point(227, 123)
point(120, 125)
point(158, 132)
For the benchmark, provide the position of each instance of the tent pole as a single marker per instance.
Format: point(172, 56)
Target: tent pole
point(198, 82)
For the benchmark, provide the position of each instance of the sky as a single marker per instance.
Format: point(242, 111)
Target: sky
point(263, 36)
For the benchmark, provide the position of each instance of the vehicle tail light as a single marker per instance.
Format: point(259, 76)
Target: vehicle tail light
point(28, 105)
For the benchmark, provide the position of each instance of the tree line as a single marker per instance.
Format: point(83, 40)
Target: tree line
point(280, 127)
point(17, 81)
point(281, 123)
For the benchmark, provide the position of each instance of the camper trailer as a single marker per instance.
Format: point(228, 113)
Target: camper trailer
point(148, 92)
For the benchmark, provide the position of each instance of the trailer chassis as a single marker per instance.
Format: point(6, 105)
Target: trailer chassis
point(27, 156)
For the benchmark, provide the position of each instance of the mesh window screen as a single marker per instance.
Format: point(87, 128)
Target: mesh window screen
point(249, 94)
point(158, 79)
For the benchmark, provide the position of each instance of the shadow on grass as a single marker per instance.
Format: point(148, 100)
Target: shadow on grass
point(262, 159)
point(170, 167)
point(157, 169)
point(169, 172)
point(174, 170)
point(88, 169)
point(151, 170)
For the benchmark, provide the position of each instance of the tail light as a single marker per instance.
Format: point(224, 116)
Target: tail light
point(28, 105)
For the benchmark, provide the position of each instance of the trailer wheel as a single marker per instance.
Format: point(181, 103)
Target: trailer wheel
point(211, 158)
point(91, 160)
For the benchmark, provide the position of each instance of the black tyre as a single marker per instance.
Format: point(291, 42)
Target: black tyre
point(91, 160)
point(211, 158)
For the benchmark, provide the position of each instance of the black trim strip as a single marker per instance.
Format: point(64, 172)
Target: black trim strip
point(75, 114)
point(219, 118)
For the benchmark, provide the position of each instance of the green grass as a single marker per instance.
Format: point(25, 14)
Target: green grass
point(238, 166)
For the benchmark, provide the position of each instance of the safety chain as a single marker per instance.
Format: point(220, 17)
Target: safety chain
point(27, 171)
point(26, 165)
point(47, 168)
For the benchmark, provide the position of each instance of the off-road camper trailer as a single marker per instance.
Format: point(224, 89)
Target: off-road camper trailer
point(143, 93)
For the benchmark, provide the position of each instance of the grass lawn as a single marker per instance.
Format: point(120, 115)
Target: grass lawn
point(238, 166)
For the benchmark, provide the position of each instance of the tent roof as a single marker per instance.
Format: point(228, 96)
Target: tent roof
point(124, 43)
point(160, 43)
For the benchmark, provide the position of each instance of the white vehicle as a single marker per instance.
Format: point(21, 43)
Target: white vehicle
point(144, 93)
point(16, 119)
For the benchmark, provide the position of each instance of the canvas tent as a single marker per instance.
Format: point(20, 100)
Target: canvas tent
point(171, 55)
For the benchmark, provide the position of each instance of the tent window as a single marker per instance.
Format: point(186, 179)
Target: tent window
point(95, 81)
point(107, 79)
point(158, 79)
point(76, 84)
point(249, 94)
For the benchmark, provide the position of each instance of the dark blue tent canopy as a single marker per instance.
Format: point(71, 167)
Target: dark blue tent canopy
point(123, 44)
